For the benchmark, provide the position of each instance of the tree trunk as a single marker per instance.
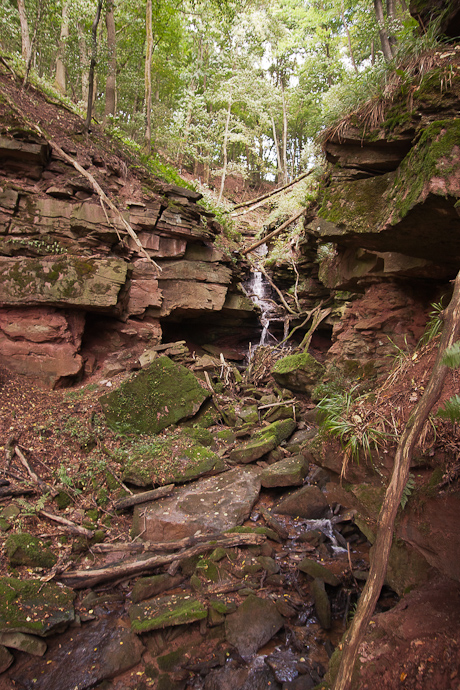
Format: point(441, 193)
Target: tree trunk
point(111, 83)
point(148, 75)
point(60, 76)
point(25, 38)
point(406, 445)
point(92, 66)
point(347, 31)
point(277, 149)
point(84, 62)
point(224, 149)
point(285, 133)
point(391, 16)
point(188, 122)
point(386, 48)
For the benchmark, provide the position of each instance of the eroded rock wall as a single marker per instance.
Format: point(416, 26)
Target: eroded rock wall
point(74, 286)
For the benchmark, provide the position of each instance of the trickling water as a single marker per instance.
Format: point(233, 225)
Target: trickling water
point(259, 291)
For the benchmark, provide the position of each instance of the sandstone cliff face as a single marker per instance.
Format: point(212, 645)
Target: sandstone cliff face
point(390, 212)
point(74, 286)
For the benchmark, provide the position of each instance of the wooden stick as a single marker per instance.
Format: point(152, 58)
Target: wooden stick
point(80, 579)
point(273, 234)
point(71, 526)
point(144, 497)
point(272, 193)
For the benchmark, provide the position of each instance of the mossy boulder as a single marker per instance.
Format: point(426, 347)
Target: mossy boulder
point(31, 606)
point(24, 549)
point(263, 441)
point(318, 571)
point(177, 458)
point(160, 395)
point(167, 611)
point(287, 472)
point(299, 373)
point(322, 603)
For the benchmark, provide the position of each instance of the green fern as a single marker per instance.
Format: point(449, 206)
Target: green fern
point(451, 409)
point(451, 357)
point(434, 323)
point(410, 486)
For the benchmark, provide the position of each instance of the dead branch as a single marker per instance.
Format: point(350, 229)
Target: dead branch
point(80, 579)
point(143, 497)
point(43, 486)
point(268, 237)
point(269, 194)
point(71, 526)
point(387, 516)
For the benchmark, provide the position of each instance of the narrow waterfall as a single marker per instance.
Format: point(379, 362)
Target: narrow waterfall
point(258, 289)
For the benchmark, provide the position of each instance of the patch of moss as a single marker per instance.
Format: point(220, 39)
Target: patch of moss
point(160, 395)
point(24, 549)
point(433, 155)
point(169, 662)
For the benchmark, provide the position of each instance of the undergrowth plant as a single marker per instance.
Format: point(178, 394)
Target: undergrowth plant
point(351, 420)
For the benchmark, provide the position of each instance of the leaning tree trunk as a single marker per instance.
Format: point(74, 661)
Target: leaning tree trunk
point(381, 550)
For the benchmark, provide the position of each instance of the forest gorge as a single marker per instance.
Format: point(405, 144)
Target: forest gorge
point(229, 345)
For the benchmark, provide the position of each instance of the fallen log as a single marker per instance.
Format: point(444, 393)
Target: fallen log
point(272, 193)
point(143, 497)
point(81, 579)
point(274, 233)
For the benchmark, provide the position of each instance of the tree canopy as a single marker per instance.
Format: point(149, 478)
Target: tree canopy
point(217, 87)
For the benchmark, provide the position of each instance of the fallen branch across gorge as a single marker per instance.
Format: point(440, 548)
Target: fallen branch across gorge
point(80, 579)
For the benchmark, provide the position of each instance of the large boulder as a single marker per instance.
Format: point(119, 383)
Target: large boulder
point(299, 373)
point(160, 395)
point(253, 624)
point(210, 506)
point(176, 458)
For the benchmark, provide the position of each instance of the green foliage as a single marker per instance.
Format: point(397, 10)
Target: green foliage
point(451, 409)
point(345, 417)
point(451, 356)
point(434, 323)
point(407, 491)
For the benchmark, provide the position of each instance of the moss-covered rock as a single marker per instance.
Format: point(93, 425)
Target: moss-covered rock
point(166, 611)
point(263, 441)
point(24, 549)
point(299, 373)
point(160, 395)
point(31, 606)
point(176, 458)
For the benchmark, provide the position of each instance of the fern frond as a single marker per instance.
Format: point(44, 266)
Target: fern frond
point(451, 409)
point(451, 357)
